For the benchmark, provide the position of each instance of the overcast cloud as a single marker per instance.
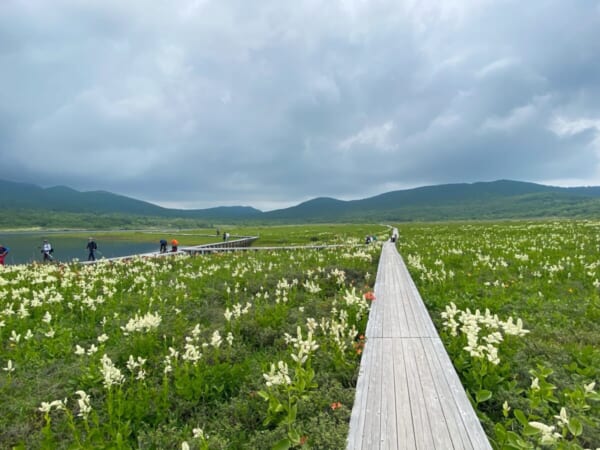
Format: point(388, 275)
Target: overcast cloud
point(268, 103)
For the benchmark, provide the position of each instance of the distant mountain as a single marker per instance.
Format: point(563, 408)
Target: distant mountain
point(503, 199)
point(481, 200)
point(22, 196)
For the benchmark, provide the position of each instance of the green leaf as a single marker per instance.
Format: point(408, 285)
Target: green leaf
point(294, 436)
point(483, 395)
point(500, 432)
point(575, 426)
point(521, 417)
point(263, 394)
point(283, 444)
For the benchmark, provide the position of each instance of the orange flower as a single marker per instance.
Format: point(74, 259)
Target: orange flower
point(369, 296)
point(336, 405)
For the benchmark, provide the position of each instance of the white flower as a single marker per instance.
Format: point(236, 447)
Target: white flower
point(589, 388)
point(145, 323)
point(563, 419)
point(278, 375)
point(216, 339)
point(535, 384)
point(548, 434)
point(93, 349)
point(79, 350)
point(47, 317)
point(102, 338)
point(9, 367)
point(185, 446)
point(112, 375)
point(84, 404)
point(45, 407)
point(199, 433)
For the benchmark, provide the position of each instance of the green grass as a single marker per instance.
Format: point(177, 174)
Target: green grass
point(547, 274)
point(50, 314)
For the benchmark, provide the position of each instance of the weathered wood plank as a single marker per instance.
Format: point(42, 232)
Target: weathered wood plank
point(406, 433)
point(408, 395)
point(389, 432)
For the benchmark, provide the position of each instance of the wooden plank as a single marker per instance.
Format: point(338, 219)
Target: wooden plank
point(469, 417)
point(359, 410)
point(437, 421)
point(404, 426)
point(372, 430)
point(389, 432)
point(453, 418)
point(418, 407)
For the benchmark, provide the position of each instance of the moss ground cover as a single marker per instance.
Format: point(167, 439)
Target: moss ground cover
point(236, 350)
point(533, 382)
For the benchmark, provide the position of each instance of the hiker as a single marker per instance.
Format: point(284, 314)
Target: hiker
point(3, 252)
point(174, 244)
point(47, 251)
point(91, 247)
point(368, 240)
point(218, 232)
point(225, 235)
point(163, 246)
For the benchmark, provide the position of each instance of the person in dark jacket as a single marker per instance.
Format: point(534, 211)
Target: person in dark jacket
point(91, 247)
point(163, 246)
point(3, 252)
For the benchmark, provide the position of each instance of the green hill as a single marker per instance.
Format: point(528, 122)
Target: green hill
point(503, 199)
point(25, 205)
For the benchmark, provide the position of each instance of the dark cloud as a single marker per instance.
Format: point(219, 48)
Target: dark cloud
point(203, 103)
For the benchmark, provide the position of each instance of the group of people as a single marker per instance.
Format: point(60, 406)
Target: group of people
point(370, 239)
point(163, 245)
point(47, 251)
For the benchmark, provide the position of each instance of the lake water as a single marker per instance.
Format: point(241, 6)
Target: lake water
point(26, 247)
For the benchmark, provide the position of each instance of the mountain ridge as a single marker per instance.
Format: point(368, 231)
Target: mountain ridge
point(500, 199)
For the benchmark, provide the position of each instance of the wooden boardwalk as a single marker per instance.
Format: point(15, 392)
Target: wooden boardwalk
point(408, 395)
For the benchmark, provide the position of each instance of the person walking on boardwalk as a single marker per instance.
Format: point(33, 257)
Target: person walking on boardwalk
point(47, 251)
point(163, 246)
point(3, 252)
point(91, 248)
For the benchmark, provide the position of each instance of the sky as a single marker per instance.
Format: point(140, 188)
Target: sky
point(268, 103)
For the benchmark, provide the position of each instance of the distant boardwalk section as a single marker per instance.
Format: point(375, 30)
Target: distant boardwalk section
point(408, 394)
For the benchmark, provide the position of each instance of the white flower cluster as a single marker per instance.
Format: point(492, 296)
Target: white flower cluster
point(237, 311)
point(481, 330)
point(304, 347)
point(133, 364)
point(112, 375)
point(351, 298)
point(145, 323)
point(311, 287)
point(278, 375)
point(339, 275)
point(358, 254)
point(549, 436)
point(84, 404)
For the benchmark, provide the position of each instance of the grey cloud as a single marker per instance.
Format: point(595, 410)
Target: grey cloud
point(207, 103)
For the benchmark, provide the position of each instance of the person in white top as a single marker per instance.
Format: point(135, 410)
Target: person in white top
point(47, 251)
